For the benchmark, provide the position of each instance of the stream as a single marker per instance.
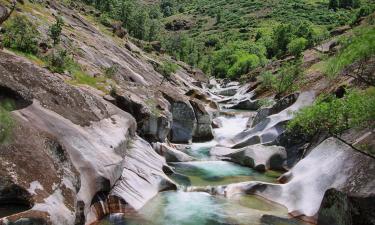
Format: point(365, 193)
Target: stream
point(197, 208)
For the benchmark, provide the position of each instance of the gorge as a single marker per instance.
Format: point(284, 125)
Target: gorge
point(124, 135)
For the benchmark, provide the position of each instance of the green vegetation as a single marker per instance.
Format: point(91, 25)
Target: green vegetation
point(275, 28)
point(358, 47)
point(334, 116)
point(166, 69)
point(20, 34)
point(55, 30)
point(6, 121)
point(285, 81)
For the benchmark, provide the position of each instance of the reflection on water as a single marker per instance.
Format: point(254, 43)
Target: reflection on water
point(194, 208)
point(204, 173)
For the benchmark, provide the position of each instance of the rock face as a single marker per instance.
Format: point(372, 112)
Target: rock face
point(343, 209)
point(171, 154)
point(203, 129)
point(271, 127)
point(69, 146)
point(332, 164)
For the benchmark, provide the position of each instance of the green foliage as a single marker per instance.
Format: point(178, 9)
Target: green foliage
point(357, 47)
point(333, 115)
point(58, 60)
point(296, 46)
point(287, 78)
point(20, 34)
point(6, 121)
point(167, 69)
point(285, 81)
point(55, 30)
point(334, 4)
point(237, 58)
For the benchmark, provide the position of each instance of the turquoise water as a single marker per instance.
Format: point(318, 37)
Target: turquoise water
point(195, 208)
point(205, 173)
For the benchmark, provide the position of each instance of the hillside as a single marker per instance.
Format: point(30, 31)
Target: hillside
point(176, 112)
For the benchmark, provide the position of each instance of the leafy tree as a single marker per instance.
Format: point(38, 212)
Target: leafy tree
point(296, 46)
point(21, 34)
point(56, 29)
point(167, 7)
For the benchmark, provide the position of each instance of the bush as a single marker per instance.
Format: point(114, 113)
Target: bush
point(267, 80)
point(166, 70)
point(334, 116)
point(20, 34)
point(286, 80)
point(58, 61)
point(244, 63)
point(296, 46)
point(55, 30)
point(356, 48)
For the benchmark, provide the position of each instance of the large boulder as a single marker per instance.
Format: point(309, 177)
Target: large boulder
point(171, 154)
point(344, 209)
point(339, 166)
point(68, 147)
point(203, 129)
point(269, 129)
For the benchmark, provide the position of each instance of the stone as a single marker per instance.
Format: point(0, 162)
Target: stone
point(171, 154)
point(346, 209)
point(340, 167)
point(203, 129)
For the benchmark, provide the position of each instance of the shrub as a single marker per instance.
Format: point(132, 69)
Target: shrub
point(166, 70)
point(58, 61)
point(55, 30)
point(20, 34)
point(296, 46)
point(244, 63)
point(287, 78)
point(267, 80)
point(356, 48)
point(334, 116)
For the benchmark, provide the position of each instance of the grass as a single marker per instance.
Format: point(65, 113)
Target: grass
point(355, 48)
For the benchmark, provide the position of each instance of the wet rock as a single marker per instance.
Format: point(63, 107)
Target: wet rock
point(279, 106)
point(259, 157)
point(247, 104)
point(143, 172)
point(170, 154)
point(269, 129)
point(184, 121)
point(345, 209)
point(230, 91)
point(340, 167)
point(203, 129)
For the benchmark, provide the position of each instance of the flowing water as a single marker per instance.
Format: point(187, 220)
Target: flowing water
point(198, 208)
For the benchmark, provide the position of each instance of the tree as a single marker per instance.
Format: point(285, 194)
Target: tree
point(296, 46)
point(55, 30)
point(21, 34)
